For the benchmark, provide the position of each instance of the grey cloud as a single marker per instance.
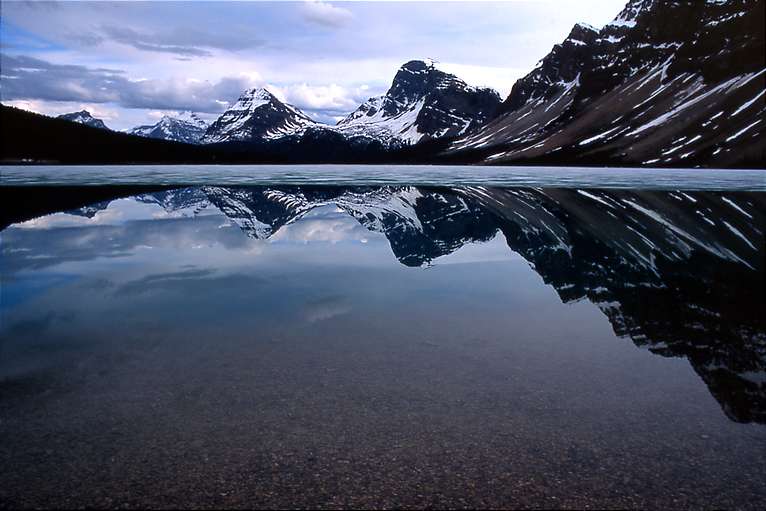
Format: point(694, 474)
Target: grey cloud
point(184, 41)
point(31, 78)
point(26, 78)
point(152, 42)
point(84, 38)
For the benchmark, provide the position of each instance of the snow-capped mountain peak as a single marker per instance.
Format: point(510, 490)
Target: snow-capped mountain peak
point(252, 99)
point(186, 127)
point(188, 117)
point(423, 102)
point(84, 117)
point(257, 115)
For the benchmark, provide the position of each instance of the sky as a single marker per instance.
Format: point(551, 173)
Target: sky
point(129, 63)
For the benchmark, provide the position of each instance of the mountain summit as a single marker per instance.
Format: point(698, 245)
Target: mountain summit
point(187, 127)
point(84, 117)
point(422, 103)
point(257, 115)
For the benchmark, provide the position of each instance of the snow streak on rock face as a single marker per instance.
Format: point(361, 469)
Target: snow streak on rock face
point(84, 117)
point(666, 83)
point(257, 115)
point(423, 103)
point(187, 128)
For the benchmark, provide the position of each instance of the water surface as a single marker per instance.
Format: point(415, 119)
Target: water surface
point(382, 346)
point(362, 175)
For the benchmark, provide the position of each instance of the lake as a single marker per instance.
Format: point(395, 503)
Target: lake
point(359, 175)
point(208, 339)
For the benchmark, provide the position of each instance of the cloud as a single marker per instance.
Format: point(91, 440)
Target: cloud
point(183, 41)
point(152, 43)
point(29, 78)
point(326, 14)
point(501, 79)
point(323, 102)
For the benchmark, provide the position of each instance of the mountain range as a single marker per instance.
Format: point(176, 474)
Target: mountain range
point(423, 103)
point(644, 90)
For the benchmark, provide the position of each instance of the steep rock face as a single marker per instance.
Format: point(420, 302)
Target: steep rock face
point(187, 128)
point(257, 116)
point(84, 117)
point(422, 103)
point(666, 83)
point(560, 69)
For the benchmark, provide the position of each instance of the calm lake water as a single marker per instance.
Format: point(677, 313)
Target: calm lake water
point(360, 175)
point(446, 346)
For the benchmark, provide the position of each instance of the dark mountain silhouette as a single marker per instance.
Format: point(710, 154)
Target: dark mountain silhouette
point(33, 138)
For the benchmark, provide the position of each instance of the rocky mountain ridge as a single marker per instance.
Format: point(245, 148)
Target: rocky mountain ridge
point(187, 127)
point(84, 117)
point(645, 89)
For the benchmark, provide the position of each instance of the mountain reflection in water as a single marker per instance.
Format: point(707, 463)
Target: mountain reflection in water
point(679, 273)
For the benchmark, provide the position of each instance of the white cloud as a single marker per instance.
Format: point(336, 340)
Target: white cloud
point(499, 78)
point(329, 98)
point(326, 14)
